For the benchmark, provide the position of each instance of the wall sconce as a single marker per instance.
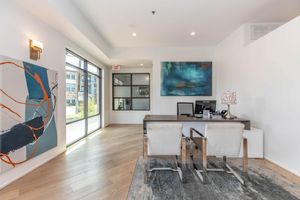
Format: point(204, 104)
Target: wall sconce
point(36, 49)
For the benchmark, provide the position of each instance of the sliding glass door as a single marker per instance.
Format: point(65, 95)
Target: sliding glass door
point(83, 97)
point(93, 98)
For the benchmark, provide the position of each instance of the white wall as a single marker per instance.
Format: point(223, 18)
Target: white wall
point(163, 104)
point(265, 75)
point(131, 117)
point(18, 26)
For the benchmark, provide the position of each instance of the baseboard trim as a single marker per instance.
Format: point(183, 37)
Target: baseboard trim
point(123, 124)
point(282, 171)
point(22, 170)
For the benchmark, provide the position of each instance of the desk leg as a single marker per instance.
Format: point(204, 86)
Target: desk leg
point(145, 148)
point(245, 155)
point(145, 155)
point(144, 127)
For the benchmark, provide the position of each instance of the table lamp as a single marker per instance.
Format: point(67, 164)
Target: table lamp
point(229, 98)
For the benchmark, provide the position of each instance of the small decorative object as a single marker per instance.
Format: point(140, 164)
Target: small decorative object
point(229, 98)
point(206, 114)
point(186, 79)
point(36, 48)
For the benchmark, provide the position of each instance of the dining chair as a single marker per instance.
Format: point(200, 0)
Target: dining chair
point(222, 139)
point(164, 140)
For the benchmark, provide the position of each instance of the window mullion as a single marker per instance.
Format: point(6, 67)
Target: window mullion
point(131, 107)
point(85, 92)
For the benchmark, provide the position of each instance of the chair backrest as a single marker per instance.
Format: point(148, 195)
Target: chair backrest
point(164, 138)
point(185, 108)
point(224, 139)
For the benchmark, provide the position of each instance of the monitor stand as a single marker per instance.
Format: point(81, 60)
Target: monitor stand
point(199, 115)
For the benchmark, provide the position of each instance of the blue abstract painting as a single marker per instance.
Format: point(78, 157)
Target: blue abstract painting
point(186, 79)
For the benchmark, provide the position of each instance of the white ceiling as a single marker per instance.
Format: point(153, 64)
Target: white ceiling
point(212, 20)
point(132, 62)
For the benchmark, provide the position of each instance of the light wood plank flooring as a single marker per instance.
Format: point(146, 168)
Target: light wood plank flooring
point(97, 168)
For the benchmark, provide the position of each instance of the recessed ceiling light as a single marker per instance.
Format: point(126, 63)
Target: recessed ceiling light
point(193, 33)
point(133, 34)
point(142, 64)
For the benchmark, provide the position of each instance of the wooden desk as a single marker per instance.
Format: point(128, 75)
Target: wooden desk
point(182, 118)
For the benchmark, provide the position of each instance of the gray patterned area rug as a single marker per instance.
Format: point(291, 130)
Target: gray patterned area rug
point(163, 185)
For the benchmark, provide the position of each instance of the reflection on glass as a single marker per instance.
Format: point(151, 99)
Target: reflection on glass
point(74, 94)
point(140, 91)
point(122, 79)
point(140, 104)
point(122, 104)
point(75, 131)
point(140, 79)
point(74, 60)
point(93, 123)
point(122, 91)
point(93, 69)
point(93, 95)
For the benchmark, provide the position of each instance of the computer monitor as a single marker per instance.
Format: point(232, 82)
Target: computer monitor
point(205, 105)
point(185, 108)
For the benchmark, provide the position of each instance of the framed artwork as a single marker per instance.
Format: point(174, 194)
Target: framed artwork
point(186, 79)
point(28, 96)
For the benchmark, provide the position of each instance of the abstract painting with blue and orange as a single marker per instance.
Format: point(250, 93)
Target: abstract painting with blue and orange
point(28, 98)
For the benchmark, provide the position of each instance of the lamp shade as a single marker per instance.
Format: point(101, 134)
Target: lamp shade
point(229, 97)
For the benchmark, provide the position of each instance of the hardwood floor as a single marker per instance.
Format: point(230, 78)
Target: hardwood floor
point(99, 168)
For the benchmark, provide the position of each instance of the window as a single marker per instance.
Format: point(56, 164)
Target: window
point(131, 91)
point(83, 90)
point(76, 92)
point(93, 90)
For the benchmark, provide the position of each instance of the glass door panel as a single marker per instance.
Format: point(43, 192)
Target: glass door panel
point(140, 79)
point(122, 104)
point(94, 123)
point(74, 94)
point(140, 104)
point(75, 131)
point(93, 95)
point(83, 97)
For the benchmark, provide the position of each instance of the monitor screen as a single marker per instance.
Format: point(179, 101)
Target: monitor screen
point(185, 108)
point(205, 105)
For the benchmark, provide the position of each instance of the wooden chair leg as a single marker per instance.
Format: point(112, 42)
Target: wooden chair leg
point(145, 155)
point(245, 155)
point(183, 150)
point(204, 156)
point(224, 159)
